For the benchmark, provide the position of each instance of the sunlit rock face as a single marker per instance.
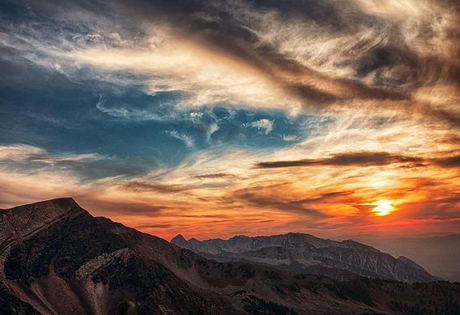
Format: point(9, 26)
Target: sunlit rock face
point(304, 253)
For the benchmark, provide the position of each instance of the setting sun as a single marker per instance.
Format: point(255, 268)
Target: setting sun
point(383, 207)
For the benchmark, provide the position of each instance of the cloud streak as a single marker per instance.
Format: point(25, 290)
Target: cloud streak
point(186, 139)
point(346, 159)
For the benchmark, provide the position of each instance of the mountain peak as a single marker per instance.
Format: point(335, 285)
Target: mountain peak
point(68, 200)
point(23, 220)
point(239, 237)
point(50, 209)
point(179, 240)
point(61, 203)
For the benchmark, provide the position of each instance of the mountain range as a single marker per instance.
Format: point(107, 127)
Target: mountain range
point(440, 255)
point(304, 253)
point(57, 259)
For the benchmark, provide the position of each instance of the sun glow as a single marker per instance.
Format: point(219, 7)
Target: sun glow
point(383, 208)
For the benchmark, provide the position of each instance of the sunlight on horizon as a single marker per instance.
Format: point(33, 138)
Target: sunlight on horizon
point(383, 208)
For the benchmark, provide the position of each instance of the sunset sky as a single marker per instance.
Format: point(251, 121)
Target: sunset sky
point(225, 117)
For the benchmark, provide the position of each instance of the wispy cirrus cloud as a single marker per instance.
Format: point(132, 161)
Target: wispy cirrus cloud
point(185, 138)
point(23, 152)
point(86, 166)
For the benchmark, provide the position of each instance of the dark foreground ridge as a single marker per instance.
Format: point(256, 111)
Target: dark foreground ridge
point(56, 259)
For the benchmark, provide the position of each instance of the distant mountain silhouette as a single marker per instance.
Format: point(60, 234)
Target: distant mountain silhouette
point(440, 255)
point(57, 259)
point(304, 253)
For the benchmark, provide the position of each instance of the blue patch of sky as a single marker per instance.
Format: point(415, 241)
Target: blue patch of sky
point(48, 110)
point(83, 113)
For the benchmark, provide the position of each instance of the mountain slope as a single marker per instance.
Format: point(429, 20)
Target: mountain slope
point(440, 255)
point(66, 262)
point(303, 253)
point(56, 259)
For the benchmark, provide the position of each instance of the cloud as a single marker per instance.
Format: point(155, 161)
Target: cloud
point(290, 138)
point(329, 196)
point(141, 109)
point(186, 139)
point(116, 208)
point(263, 124)
point(349, 54)
point(22, 152)
point(324, 201)
point(116, 112)
point(274, 203)
point(211, 130)
point(153, 187)
point(383, 57)
point(346, 159)
point(86, 167)
point(153, 226)
point(380, 75)
point(450, 161)
point(214, 176)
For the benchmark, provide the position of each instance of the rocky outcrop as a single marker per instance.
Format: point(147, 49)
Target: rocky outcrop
point(21, 223)
point(58, 259)
point(304, 253)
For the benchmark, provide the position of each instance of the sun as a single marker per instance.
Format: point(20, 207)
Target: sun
point(383, 207)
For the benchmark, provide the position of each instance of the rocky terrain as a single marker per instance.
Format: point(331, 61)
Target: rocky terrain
point(56, 259)
point(304, 253)
point(440, 255)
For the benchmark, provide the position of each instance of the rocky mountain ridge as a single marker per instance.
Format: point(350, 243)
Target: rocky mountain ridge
point(57, 259)
point(440, 255)
point(304, 253)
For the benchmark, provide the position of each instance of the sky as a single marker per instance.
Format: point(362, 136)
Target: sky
point(227, 117)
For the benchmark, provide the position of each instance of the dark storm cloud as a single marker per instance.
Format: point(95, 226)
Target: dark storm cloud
point(346, 159)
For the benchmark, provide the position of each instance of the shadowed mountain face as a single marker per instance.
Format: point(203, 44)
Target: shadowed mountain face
point(56, 259)
point(303, 253)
